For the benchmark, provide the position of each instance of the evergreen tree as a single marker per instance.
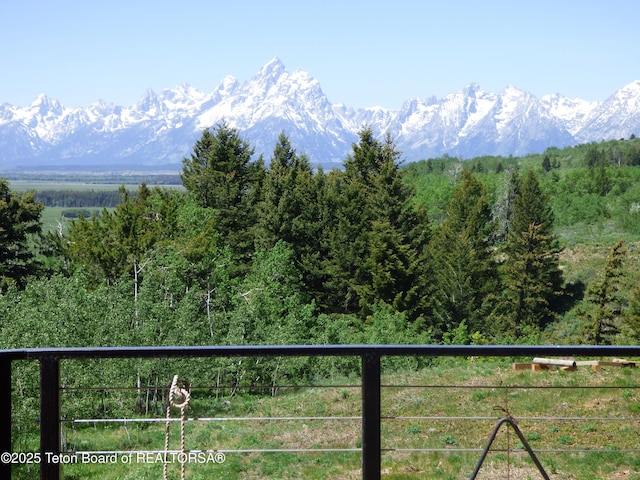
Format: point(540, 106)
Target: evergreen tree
point(602, 319)
point(376, 245)
point(220, 175)
point(19, 222)
point(345, 244)
point(594, 158)
point(632, 314)
point(296, 209)
point(319, 219)
point(465, 271)
point(532, 275)
point(286, 198)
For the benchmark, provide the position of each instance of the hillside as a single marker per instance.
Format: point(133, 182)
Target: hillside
point(594, 188)
point(594, 191)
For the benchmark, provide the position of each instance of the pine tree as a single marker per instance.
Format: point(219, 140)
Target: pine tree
point(594, 157)
point(286, 199)
point(118, 242)
point(19, 221)
point(532, 275)
point(465, 272)
point(220, 175)
point(376, 245)
point(632, 314)
point(295, 209)
point(602, 319)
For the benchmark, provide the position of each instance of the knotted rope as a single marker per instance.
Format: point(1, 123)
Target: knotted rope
point(179, 397)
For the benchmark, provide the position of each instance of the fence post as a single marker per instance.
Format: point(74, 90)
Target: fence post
point(49, 417)
point(371, 460)
point(5, 416)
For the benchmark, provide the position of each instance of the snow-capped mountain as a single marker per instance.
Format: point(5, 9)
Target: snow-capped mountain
point(161, 129)
point(616, 117)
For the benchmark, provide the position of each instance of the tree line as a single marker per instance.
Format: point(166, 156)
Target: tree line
point(255, 252)
point(351, 242)
point(78, 198)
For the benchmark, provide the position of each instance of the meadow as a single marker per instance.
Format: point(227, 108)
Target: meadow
point(581, 424)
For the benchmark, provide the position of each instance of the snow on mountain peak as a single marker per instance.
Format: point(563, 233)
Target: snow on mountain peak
point(46, 105)
point(472, 89)
point(272, 70)
point(617, 117)
point(632, 88)
point(629, 95)
point(227, 85)
point(163, 127)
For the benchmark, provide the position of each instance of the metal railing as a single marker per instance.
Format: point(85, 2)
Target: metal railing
point(370, 356)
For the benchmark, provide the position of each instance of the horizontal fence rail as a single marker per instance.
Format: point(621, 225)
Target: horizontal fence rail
point(370, 355)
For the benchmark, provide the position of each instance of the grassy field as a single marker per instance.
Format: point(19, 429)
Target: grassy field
point(40, 185)
point(431, 419)
point(52, 217)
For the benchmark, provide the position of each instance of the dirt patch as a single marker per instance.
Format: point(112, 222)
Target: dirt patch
point(492, 471)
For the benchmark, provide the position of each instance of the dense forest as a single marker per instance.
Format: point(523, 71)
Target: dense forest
point(275, 252)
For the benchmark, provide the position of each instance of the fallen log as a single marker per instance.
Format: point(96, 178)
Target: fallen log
point(555, 361)
point(624, 362)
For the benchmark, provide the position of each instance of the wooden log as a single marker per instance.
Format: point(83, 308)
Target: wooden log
point(596, 365)
point(536, 367)
point(554, 361)
point(521, 366)
point(624, 363)
point(612, 364)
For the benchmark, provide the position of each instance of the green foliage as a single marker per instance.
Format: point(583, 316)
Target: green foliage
point(117, 242)
point(285, 210)
point(375, 253)
point(430, 252)
point(376, 244)
point(604, 308)
point(271, 307)
point(463, 257)
point(632, 315)
point(220, 175)
point(19, 223)
point(532, 277)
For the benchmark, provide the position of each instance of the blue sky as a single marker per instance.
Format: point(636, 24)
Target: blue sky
point(373, 53)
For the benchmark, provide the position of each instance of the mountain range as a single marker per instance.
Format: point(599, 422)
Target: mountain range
point(161, 128)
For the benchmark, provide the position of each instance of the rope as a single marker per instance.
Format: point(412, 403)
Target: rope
point(179, 397)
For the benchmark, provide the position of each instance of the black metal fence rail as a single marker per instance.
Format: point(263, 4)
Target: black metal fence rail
point(370, 355)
